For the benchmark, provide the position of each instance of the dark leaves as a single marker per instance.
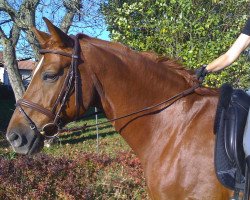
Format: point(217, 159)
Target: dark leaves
point(90, 176)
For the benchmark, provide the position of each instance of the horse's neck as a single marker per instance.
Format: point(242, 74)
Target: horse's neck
point(129, 83)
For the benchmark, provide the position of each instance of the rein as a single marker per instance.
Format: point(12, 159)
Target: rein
point(175, 98)
point(71, 83)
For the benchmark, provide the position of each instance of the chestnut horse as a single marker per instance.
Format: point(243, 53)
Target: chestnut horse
point(175, 142)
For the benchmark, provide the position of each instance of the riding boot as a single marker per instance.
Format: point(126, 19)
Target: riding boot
point(246, 146)
point(246, 137)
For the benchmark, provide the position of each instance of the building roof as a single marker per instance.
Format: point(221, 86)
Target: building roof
point(23, 64)
point(26, 64)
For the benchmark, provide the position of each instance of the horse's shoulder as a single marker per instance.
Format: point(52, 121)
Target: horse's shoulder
point(207, 91)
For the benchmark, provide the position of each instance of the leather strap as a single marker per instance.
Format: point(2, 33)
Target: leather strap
point(72, 82)
point(44, 51)
point(37, 107)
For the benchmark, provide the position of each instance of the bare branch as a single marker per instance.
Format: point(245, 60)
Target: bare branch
point(5, 21)
point(2, 34)
point(26, 14)
point(5, 6)
point(33, 43)
point(14, 34)
point(72, 8)
point(66, 22)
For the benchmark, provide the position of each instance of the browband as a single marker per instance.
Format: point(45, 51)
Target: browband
point(44, 51)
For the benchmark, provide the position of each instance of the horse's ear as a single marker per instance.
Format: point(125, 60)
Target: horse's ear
point(42, 37)
point(61, 38)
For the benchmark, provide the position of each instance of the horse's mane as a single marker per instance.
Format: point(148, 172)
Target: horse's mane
point(169, 63)
point(188, 75)
point(172, 64)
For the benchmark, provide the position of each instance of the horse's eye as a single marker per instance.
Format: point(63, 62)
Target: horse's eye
point(50, 77)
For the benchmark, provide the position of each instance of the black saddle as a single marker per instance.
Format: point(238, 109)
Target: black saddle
point(230, 120)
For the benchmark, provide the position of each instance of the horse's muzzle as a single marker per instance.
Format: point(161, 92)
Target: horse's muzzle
point(25, 140)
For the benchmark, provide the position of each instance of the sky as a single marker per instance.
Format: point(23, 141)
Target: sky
point(85, 24)
point(104, 35)
point(89, 21)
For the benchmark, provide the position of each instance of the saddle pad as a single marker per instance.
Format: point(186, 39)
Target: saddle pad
point(230, 120)
point(224, 168)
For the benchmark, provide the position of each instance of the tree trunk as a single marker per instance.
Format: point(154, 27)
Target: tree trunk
point(11, 66)
point(33, 43)
point(23, 19)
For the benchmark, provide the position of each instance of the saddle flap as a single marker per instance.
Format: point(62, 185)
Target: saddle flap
point(235, 120)
point(229, 127)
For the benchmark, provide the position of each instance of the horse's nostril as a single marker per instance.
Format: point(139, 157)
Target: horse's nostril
point(12, 137)
point(15, 139)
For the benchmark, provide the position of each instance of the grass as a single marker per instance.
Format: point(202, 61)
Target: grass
point(109, 141)
point(67, 144)
point(103, 169)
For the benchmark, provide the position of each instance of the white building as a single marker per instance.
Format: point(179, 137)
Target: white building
point(1, 74)
point(25, 68)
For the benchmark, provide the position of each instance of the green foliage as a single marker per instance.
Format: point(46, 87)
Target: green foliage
point(194, 31)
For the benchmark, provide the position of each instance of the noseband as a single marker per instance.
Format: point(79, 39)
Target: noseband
point(71, 83)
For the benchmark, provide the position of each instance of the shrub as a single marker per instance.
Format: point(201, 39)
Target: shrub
point(194, 31)
point(88, 176)
point(7, 104)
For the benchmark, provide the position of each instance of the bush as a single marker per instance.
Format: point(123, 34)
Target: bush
point(89, 176)
point(7, 105)
point(194, 31)
point(6, 93)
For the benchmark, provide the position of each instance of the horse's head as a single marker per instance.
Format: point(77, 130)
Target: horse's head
point(60, 90)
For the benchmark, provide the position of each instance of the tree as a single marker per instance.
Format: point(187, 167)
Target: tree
point(194, 31)
point(19, 16)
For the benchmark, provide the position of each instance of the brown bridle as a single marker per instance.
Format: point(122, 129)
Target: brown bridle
point(72, 83)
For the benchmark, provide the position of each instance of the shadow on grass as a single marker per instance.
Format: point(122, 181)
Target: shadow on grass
point(84, 132)
point(82, 138)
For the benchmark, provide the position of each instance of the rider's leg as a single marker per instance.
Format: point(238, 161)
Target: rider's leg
point(246, 146)
point(246, 139)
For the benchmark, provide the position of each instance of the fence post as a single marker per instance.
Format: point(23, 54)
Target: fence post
point(97, 132)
